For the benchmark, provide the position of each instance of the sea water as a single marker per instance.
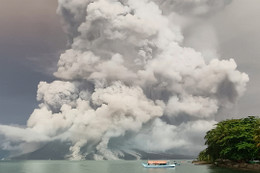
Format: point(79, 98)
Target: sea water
point(49, 166)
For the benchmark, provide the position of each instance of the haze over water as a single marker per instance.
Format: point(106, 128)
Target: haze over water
point(103, 167)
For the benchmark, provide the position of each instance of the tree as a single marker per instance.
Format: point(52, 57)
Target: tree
point(234, 139)
point(257, 134)
point(203, 156)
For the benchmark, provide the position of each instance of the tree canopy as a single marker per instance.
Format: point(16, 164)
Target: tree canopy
point(235, 139)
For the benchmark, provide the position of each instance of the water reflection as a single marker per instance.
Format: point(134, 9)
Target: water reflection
point(159, 170)
point(103, 167)
point(223, 170)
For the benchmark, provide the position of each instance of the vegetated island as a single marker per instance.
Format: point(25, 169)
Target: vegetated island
point(233, 143)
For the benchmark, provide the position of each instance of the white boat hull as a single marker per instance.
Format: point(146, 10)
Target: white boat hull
point(158, 166)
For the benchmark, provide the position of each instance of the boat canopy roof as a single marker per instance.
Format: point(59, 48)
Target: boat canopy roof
point(157, 162)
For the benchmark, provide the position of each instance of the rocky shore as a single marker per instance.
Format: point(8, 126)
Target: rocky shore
point(224, 163)
point(196, 162)
point(237, 165)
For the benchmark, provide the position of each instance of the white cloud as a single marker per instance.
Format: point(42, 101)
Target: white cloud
point(126, 73)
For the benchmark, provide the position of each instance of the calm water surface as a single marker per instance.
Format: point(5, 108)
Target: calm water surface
point(102, 167)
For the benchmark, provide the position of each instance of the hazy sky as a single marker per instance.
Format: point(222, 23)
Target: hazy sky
point(31, 39)
point(238, 31)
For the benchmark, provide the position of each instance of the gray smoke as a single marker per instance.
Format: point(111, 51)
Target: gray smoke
point(127, 82)
point(192, 7)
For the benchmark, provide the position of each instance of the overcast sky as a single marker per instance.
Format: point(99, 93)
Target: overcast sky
point(31, 39)
point(238, 30)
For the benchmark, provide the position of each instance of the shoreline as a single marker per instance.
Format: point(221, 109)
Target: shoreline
point(230, 164)
point(195, 162)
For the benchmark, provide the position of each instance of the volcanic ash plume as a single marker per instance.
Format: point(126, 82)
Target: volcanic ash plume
point(127, 84)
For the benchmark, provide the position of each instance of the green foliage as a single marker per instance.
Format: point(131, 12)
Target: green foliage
point(257, 134)
point(203, 156)
point(236, 139)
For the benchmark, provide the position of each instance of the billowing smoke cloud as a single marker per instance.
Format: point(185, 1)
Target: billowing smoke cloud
point(127, 83)
point(192, 7)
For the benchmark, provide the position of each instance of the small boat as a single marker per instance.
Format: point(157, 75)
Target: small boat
point(176, 163)
point(158, 164)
